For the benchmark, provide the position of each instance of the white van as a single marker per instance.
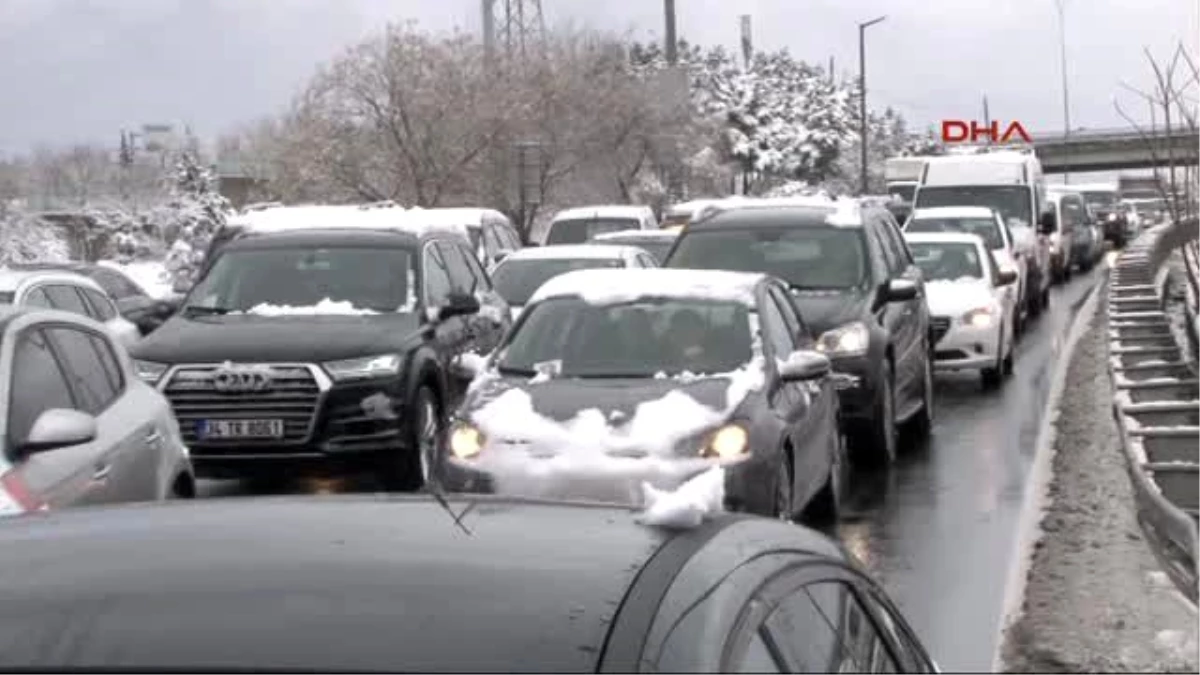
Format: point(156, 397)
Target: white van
point(903, 175)
point(1012, 183)
point(578, 225)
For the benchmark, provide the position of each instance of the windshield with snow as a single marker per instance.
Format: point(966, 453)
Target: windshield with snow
point(1012, 201)
point(371, 279)
point(579, 231)
point(807, 258)
point(575, 338)
point(947, 261)
point(517, 280)
point(985, 228)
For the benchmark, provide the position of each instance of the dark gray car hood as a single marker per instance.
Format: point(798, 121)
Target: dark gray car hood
point(617, 399)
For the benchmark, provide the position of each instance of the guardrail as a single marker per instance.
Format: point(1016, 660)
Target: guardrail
point(1157, 406)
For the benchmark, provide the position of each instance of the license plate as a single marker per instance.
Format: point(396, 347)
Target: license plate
point(221, 429)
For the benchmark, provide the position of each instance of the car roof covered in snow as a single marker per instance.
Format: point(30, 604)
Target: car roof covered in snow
point(613, 286)
point(953, 212)
point(630, 211)
point(653, 235)
point(12, 277)
point(781, 212)
point(944, 238)
point(575, 252)
point(350, 583)
point(326, 236)
point(365, 216)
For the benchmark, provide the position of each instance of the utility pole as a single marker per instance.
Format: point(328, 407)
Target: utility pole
point(747, 41)
point(1062, 44)
point(489, 29)
point(832, 79)
point(987, 118)
point(672, 45)
point(862, 95)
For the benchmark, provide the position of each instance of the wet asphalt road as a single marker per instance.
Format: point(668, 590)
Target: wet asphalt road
point(938, 529)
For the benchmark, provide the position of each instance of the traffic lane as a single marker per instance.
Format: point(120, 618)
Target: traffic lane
point(939, 528)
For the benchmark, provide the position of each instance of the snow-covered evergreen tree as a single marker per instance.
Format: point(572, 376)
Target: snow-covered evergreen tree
point(193, 214)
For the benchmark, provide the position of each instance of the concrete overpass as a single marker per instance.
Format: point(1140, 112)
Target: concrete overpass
point(1113, 150)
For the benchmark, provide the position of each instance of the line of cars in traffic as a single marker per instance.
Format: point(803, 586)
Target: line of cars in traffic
point(340, 339)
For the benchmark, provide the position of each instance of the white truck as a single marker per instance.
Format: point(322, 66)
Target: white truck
point(1011, 183)
point(902, 174)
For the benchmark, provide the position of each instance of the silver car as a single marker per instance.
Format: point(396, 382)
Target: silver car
point(77, 426)
point(68, 291)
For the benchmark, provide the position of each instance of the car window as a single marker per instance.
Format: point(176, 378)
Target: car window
point(37, 297)
point(84, 369)
point(775, 330)
point(758, 658)
point(896, 236)
point(116, 284)
point(36, 374)
point(490, 240)
point(481, 280)
point(884, 252)
point(790, 317)
point(437, 283)
point(461, 277)
point(896, 254)
point(808, 642)
point(108, 359)
point(864, 649)
point(103, 308)
point(66, 298)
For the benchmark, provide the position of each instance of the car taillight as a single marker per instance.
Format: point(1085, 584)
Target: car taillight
point(15, 497)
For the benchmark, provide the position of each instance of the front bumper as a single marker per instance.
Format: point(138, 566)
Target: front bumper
point(328, 427)
point(966, 347)
point(584, 476)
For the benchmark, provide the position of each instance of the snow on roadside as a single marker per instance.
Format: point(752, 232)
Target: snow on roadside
point(151, 275)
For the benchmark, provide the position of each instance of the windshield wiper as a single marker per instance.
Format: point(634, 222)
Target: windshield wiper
point(203, 310)
point(517, 372)
point(806, 287)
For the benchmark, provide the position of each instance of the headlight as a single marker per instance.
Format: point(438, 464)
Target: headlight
point(728, 442)
point(149, 371)
point(980, 317)
point(364, 368)
point(466, 441)
point(1112, 217)
point(849, 340)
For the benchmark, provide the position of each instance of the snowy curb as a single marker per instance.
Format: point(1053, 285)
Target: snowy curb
point(1036, 499)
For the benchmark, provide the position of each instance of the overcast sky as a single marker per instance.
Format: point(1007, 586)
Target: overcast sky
point(81, 70)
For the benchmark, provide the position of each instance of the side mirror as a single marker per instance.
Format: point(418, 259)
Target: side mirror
point(1006, 277)
point(59, 428)
point(459, 304)
point(803, 365)
point(900, 290)
point(1048, 224)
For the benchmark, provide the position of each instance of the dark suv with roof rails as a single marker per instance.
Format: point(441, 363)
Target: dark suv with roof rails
point(856, 286)
point(325, 350)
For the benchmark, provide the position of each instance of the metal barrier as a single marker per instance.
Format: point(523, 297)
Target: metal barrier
point(1157, 404)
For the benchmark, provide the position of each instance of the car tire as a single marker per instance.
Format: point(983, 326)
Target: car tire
point(782, 506)
point(877, 446)
point(418, 461)
point(922, 422)
point(1044, 301)
point(825, 506)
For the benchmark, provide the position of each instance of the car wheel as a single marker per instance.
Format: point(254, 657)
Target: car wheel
point(1007, 367)
point(922, 423)
point(417, 463)
point(783, 488)
point(877, 446)
point(824, 507)
point(991, 376)
point(1044, 301)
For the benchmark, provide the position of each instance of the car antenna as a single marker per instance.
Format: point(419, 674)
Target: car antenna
point(434, 488)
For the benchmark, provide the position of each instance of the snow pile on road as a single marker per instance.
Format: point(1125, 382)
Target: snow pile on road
point(151, 275)
point(324, 307)
point(608, 287)
point(687, 505)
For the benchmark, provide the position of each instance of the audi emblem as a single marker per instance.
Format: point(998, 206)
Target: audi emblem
point(231, 379)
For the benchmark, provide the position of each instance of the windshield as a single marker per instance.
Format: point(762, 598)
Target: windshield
point(517, 280)
point(580, 230)
point(574, 338)
point(947, 261)
point(904, 192)
point(1100, 199)
point(376, 279)
point(986, 228)
point(1012, 201)
point(804, 257)
point(655, 247)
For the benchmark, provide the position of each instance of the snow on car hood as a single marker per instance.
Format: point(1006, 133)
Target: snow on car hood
point(957, 297)
point(326, 306)
point(603, 417)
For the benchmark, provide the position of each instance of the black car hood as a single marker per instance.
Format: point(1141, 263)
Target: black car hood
point(283, 339)
point(825, 310)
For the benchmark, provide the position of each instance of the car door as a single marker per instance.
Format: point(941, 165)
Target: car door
point(895, 317)
point(494, 317)
point(915, 312)
point(103, 309)
point(59, 478)
point(66, 298)
point(126, 427)
point(451, 335)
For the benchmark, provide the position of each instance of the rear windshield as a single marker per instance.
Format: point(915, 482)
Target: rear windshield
point(805, 257)
point(654, 247)
point(1012, 201)
point(947, 261)
point(516, 280)
point(580, 230)
point(986, 228)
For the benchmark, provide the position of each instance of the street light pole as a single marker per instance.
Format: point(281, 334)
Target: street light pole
point(862, 96)
point(1062, 44)
point(672, 40)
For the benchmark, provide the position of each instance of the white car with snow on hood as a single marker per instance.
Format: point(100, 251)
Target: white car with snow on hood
point(612, 378)
point(519, 275)
point(972, 304)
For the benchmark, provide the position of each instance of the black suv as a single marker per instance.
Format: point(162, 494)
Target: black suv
point(328, 349)
point(857, 287)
